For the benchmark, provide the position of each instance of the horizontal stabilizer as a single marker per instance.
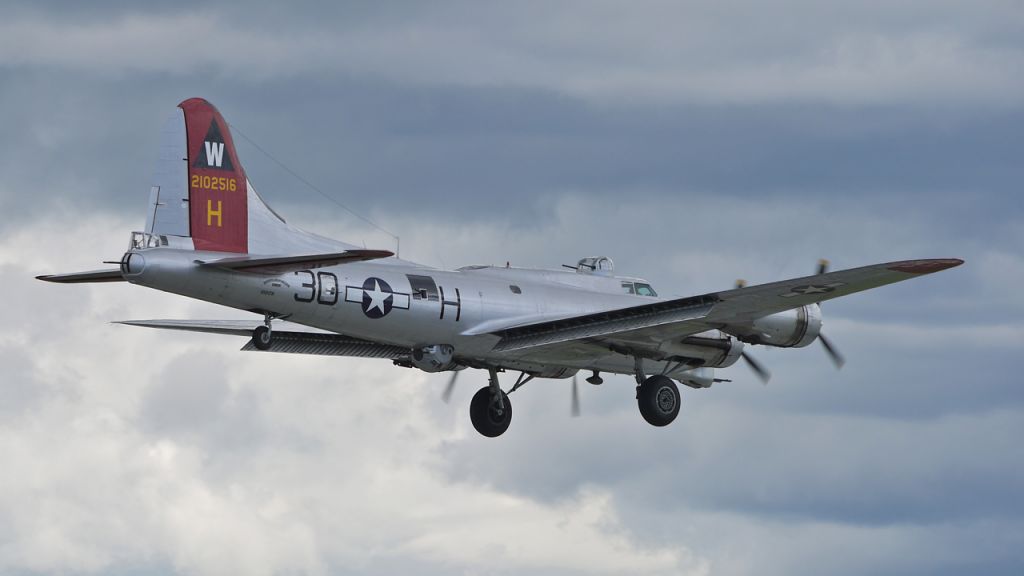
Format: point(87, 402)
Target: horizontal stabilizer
point(82, 277)
point(297, 262)
point(231, 327)
point(288, 337)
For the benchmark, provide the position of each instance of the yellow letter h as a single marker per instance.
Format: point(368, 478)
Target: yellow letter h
point(210, 213)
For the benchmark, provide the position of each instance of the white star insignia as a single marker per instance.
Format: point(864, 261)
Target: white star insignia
point(377, 297)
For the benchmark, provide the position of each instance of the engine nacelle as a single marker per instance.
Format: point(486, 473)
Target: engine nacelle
point(434, 358)
point(555, 372)
point(697, 378)
point(790, 329)
point(712, 348)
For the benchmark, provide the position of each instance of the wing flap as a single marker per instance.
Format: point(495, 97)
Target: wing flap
point(297, 262)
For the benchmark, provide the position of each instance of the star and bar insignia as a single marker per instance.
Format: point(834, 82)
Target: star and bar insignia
point(810, 289)
point(376, 297)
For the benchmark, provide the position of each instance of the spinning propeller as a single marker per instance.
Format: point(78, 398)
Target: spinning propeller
point(830, 348)
point(447, 394)
point(757, 367)
point(763, 373)
point(833, 352)
point(575, 398)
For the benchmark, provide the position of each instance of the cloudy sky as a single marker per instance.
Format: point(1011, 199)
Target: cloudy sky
point(693, 143)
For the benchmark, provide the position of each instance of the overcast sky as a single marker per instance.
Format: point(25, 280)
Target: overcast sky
point(694, 144)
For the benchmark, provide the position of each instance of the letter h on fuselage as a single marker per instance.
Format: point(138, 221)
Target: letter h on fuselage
point(424, 288)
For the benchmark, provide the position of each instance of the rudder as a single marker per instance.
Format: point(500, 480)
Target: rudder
point(218, 212)
point(200, 187)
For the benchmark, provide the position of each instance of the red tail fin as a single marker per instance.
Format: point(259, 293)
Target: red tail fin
point(218, 211)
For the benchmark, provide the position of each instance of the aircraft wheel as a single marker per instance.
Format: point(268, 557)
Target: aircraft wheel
point(487, 417)
point(261, 338)
point(659, 400)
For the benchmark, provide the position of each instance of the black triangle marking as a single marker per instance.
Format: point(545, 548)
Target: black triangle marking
point(214, 150)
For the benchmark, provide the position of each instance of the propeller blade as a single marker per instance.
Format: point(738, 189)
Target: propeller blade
point(575, 398)
point(822, 266)
point(447, 394)
point(758, 369)
point(832, 351)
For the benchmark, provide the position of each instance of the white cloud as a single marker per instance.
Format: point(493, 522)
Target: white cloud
point(153, 447)
point(144, 446)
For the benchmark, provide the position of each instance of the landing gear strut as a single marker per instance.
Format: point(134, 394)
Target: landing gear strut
point(490, 410)
point(262, 337)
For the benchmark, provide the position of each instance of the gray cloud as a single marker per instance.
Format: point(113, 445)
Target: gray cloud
point(693, 144)
point(871, 53)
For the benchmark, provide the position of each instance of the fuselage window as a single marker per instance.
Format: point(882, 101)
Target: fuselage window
point(423, 287)
point(515, 289)
point(627, 287)
point(645, 290)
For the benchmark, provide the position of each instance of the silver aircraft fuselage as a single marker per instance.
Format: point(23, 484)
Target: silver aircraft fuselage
point(410, 305)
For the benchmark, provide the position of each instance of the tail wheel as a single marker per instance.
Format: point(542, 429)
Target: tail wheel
point(261, 338)
point(659, 400)
point(488, 417)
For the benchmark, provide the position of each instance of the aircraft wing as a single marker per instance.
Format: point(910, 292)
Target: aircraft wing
point(648, 325)
point(294, 339)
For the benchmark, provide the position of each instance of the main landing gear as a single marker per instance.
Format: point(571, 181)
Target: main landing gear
point(657, 396)
point(262, 337)
point(659, 400)
point(490, 410)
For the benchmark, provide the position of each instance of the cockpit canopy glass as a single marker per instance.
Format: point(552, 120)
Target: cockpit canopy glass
point(640, 288)
point(645, 289)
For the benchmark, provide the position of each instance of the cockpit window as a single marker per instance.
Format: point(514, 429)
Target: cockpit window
point(645, 289)
point(627, 287)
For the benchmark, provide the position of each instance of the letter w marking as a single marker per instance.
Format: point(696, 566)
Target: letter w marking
point(214, 153)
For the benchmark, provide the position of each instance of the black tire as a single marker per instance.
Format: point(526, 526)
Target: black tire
point(659, 400)
point(261, 338)
point(485, 414)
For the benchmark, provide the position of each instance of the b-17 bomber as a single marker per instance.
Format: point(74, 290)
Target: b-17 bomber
point(209, 235)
